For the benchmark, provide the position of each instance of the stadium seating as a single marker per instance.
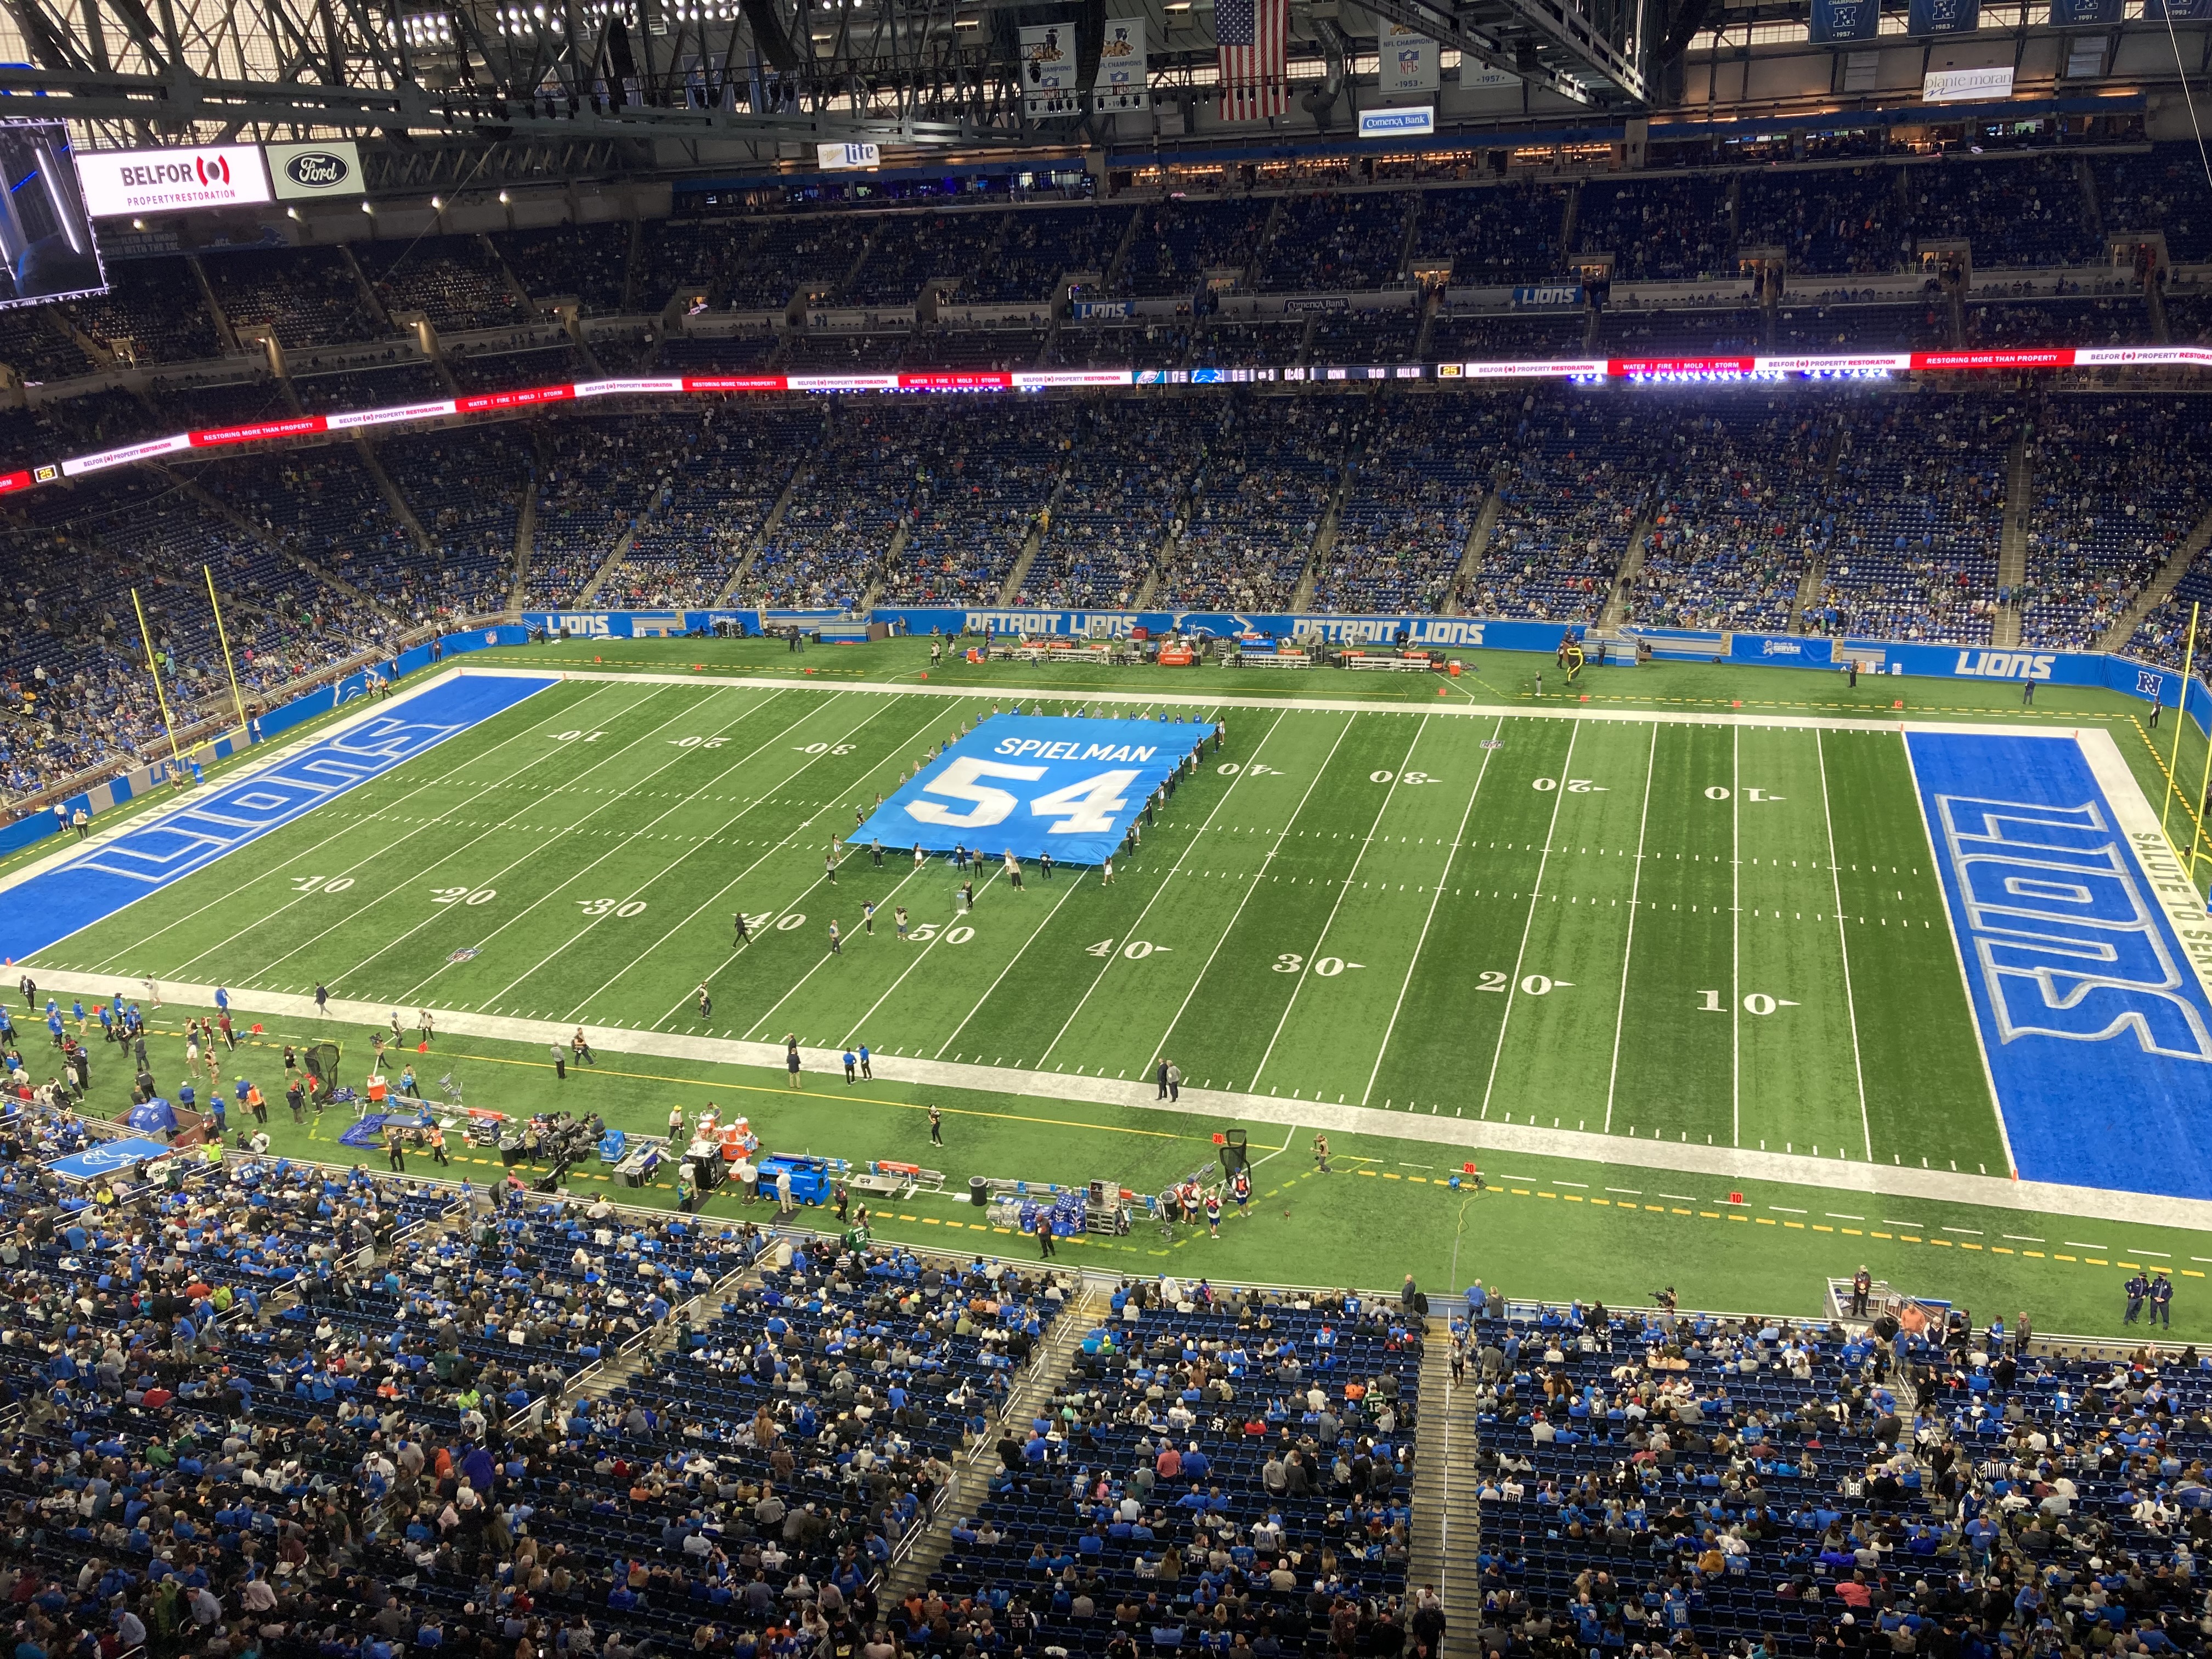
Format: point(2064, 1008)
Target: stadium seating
point(1041, 244)
point(1661, 1479)
point(1492, 237)
point(1917, 504)
point(308, 296)
point(1175, 245)
point(2015, 212)
point(2103, 520)
point(1271, 469)
point(1828, 222)
point(2164, 190)
point(1657, 229)
point(1122, 1509)
point(1129, 473)
point(1742, 512)
point(455, 280)
point(911, 249)
point(592, 262)
point(1417, 485)
point(1330, 241)
point(1579, 470)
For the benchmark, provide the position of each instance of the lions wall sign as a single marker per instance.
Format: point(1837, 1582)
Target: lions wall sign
point(301, 172)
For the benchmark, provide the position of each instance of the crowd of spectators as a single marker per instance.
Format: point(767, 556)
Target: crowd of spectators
point(1917, 502)
point(1128, 479)
point(1419, 479)
point(1741, 512)
point(1270, 471)
point(1714, 1484)
point(1223, 1470)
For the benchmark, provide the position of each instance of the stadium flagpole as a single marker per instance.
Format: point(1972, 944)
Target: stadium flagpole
point(154, 667)
point(2180, 720)
point(223, 639)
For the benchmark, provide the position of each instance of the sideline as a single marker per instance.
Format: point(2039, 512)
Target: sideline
point(1720, 1163)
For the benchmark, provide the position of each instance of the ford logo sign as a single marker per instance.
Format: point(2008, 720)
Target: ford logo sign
point(317, 169)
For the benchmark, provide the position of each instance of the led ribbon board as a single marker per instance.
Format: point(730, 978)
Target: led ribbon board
point(1033, 784)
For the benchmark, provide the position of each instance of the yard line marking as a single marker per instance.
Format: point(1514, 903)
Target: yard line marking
point(2022, 1239)
point(1281, 835)
point(1034, 934)
point(1245, 771)
point(775, 847)
point(2076, 1245)
point(1458, 835)
point(1628, 951)
point(1843, 943)
point(621, 844)
point(1298, 980)
point(1074, 882)
point(1535, 891)
point(231, 894)
point(1958, 951)
point(488, 831)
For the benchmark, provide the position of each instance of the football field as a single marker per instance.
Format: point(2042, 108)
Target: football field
point(1680, 928)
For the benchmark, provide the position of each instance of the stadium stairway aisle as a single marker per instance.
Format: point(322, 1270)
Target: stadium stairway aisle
point(971, 1476)
point(610, 1377)
point(1447, 1521)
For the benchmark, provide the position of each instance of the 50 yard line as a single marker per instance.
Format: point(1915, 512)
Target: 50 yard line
point(1536, 897)
point(1628, 951)
point(1458, 835)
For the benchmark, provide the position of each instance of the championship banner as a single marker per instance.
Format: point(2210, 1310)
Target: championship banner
point(1943, 16)
point(1049, 69)
point(1122, 83)
point(1837, 21)
point(1407, 61)
point(2181, 11)
point(1032, 784)
point(2084, 14)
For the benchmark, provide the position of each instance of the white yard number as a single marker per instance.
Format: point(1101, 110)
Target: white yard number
point(834, 749)
point(1103, 948)
point(1717, 791)
point(462, 896)
point(698, 743)
point(1084, 808)
point(321, 884)
point(1409, 778)
point(787, 923)
point(1709, 1002)
point(1288, 963)
point(606, 907)
point(959, 935)
point(578, 737)
point(959, 780)
point(925, 930)
point(1575, 786)
point(1137, 950)
point(1328, 967)
point(1494, 979)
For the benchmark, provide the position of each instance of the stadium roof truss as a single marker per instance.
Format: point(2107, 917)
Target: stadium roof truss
point(578, 81)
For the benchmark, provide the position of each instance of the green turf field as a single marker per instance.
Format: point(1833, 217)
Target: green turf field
point(1461, 908)
point(1714, 931)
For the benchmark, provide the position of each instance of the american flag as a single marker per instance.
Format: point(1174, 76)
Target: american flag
point(1251, 35)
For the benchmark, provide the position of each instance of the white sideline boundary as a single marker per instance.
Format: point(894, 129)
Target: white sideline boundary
point(1883, 720)
point(1722, 1163)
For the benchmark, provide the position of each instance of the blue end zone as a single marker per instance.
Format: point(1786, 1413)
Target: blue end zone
point(2098, 1032)
point(1030, 784)
point(148, 857)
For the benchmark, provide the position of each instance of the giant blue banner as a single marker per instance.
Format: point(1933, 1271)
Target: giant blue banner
point(1032, 784)
point(2084, 946)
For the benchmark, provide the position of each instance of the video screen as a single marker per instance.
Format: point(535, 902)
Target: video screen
point(46, 235)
